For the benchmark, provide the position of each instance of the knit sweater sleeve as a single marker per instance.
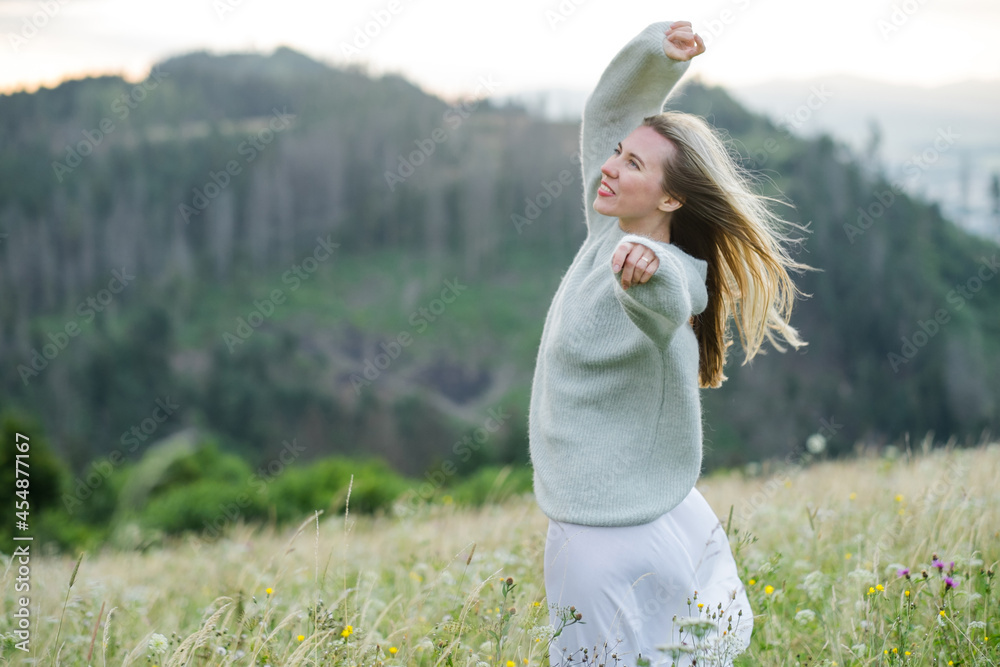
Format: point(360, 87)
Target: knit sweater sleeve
point(668, 300)
point(635, 85)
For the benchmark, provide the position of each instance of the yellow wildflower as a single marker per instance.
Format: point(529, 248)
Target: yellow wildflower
point(301, 638)
point(880, 587)
point(269, 590)
point(768, 589)
point(346, 632)
point(753, 581)
point(393, 650)
point(899, 497)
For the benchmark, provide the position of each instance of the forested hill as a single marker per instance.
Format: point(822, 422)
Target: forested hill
point(293, 252)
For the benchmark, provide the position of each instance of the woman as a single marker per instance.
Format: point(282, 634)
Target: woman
point(677, 243)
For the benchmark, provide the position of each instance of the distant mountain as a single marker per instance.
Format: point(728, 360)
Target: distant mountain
point(910, 121)
point(907, 120)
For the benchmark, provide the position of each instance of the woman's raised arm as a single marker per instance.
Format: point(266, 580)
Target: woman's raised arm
point(634, 85)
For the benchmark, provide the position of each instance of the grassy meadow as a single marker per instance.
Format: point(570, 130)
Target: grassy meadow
point(886, 559)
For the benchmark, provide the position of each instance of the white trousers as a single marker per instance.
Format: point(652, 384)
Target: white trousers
point(629, 582)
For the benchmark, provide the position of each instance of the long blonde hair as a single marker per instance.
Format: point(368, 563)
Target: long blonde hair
point(724, 222)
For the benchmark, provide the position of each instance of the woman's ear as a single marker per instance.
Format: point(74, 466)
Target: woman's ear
point(670, 203)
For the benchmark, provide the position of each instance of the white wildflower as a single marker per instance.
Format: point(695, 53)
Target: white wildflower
point(977, 625)
point(816, 443)
point(815, 584)
point(862, 576)
point(805, 616)
point(859, 649)
point(220, 650)
point(542, 633)
point(157, 644)
point(675, 651)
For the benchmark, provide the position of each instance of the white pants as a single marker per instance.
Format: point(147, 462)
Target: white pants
point(629, 582)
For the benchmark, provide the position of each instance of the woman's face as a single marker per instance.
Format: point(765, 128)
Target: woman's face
point(632, 175)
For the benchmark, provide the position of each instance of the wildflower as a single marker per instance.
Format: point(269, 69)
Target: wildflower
point(861, 576)
point(906, 653)
point(346, 632)
point(949, 583)
point(701, 605)
point(853, 496)
point(753, 581)
point(220, 650)
point(880, 587)
point(899, 497)
point(542, 633)
point(510, 663)
point(939, 564)
point(676, 650)
point(157, 644)
point(805, 616)
point(301, 638)
point(858, 649)
point(941, 613)
point(698, 626)
point(871, 589)
point(903, 572)
point(816, 443)
point(393, 650)
point(847, 556)
point(768, 589)
point(268, 590)
point(536, 603)
point(906, 593)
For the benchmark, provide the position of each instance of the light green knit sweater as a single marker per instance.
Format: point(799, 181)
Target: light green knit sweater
point(615, 415)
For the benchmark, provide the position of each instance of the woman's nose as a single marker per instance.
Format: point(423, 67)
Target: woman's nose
point(607, 168)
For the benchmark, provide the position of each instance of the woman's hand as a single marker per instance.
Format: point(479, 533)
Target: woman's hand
point(636, 262)
point(682, 42)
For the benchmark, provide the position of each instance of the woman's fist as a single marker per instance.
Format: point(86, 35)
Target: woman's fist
point(681, 42)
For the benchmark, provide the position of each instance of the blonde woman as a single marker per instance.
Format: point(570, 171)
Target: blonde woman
point(677, 244)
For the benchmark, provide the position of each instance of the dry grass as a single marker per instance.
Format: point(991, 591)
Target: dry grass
point(821, 543)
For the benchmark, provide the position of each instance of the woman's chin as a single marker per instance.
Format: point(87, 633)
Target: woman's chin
point(601, 208)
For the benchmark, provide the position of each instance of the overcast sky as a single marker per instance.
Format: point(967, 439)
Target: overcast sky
point(445, 46)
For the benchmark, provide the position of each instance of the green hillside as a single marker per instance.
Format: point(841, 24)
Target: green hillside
point(289, 251)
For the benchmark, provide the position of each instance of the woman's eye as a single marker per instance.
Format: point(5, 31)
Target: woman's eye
point(632, 162)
